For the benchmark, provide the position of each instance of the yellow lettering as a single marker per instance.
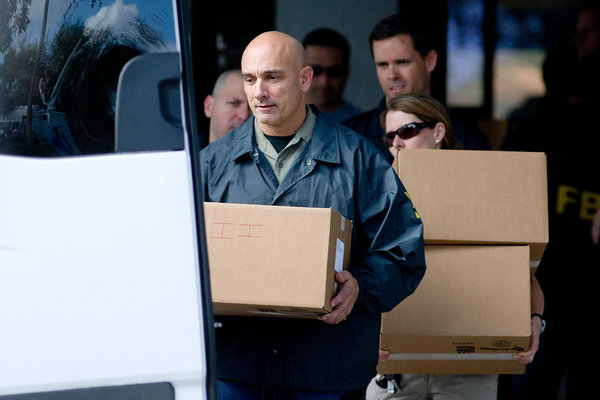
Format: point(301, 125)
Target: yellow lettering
point(590, 203)
point(565, 197)
point(414, 209)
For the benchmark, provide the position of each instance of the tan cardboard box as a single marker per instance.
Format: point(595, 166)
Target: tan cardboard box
point(469, 314)
point(478, 197)
point(274, 260)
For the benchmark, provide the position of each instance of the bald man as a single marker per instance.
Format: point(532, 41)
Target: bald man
point(288, 154)
point(226, 107)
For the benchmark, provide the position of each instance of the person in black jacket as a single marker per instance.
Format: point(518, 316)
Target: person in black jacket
point(568, 271)
point(404, 56)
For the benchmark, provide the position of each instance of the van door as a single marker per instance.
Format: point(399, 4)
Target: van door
point(104, 289)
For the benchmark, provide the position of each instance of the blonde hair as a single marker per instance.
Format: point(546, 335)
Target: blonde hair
point(427, 109)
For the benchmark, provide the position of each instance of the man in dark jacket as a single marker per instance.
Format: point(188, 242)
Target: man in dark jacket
point(404, 56)
point(287, 154)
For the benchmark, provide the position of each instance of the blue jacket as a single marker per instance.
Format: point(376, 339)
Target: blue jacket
point(339, 169)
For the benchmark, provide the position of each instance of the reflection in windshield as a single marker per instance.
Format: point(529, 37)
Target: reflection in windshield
point(60, 62)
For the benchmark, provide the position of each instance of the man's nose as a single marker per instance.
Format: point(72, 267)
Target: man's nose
point(393, 73)
point(260, 89)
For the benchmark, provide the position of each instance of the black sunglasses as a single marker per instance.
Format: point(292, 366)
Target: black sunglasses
point(406, 131)
point(335, 71)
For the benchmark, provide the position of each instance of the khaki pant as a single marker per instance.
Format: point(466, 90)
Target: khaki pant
point(438, 387)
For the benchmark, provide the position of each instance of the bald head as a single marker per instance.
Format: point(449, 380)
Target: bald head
point(223, 78)
point(276, 80)
point(279, 45)
point(227, 106)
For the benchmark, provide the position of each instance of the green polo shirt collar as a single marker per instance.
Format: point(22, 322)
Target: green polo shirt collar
point(281, 162)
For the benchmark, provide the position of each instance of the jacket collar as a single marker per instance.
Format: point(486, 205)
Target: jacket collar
point(324, 145)
point(243, 139)
point(325, 141)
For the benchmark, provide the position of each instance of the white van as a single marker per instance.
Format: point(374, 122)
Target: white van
point(104, 288)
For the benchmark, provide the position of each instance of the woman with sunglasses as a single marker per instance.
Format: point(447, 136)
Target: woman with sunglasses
point(421, 122)
point(417, 122)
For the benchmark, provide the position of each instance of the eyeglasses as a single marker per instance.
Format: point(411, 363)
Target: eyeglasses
point(335, 71)
point(406, 131)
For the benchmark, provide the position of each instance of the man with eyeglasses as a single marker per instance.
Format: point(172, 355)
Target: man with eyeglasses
point(328, 53)
point(404, 55)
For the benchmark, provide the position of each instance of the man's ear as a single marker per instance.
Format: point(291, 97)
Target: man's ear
point(431, 60)
point(305, 76)
point(208, 104)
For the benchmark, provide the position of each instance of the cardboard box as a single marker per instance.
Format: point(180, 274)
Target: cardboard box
point(478, 197)
point(469, 315)
point(275, 260)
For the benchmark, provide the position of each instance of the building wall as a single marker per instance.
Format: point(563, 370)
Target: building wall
point(354, 19)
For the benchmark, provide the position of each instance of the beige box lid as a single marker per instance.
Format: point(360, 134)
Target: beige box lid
point(468, 196)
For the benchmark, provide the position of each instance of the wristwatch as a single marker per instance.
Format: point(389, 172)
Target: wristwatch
point(541, 318)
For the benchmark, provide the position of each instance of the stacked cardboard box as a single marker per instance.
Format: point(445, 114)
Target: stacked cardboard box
point(479, 197)
point(485, 222)
point(260, 263)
